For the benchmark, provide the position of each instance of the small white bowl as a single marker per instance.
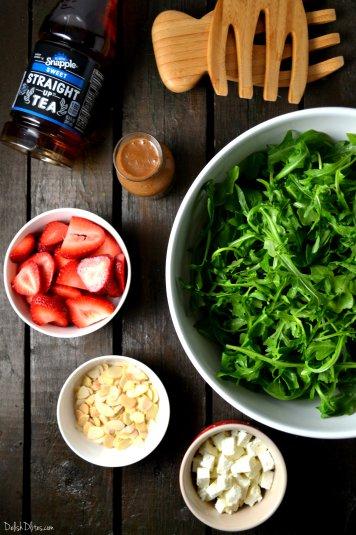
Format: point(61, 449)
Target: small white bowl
point(19, 304)
point(96, 453)
point(246, 517)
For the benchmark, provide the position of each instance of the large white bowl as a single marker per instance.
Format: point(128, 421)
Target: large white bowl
point(36, 225)
point(301, 416)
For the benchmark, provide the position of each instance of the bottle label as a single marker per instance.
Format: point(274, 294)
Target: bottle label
point(60, 86)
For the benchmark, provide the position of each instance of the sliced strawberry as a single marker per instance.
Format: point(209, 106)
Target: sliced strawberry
point(67, 292)
point(86, 310)
point(68, 276)
point(27, 281)
point(120, 271)
point(110, 246)
point(22, 250)
point(29, 298)
point(112, 288)
point(83, 238)
point(46, 266)
point(95, 272)
point(45, 309)
point(59, 259)
point(52, 235)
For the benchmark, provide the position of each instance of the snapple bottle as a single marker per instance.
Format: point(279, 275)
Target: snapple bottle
point(52, 111)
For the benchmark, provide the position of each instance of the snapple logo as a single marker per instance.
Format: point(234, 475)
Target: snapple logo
point(61, 61)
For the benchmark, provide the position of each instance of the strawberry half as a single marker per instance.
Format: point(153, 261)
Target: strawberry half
point(95, 272)
point(67, 292)
point(112, 288)
point(45, 309)
point(27, 281)
point(46, 266)
point(83, 238)
point(52, 235)
point(110, 246)
point(120, 271)
point(68, 276)
point(22, 250)
point(60, 261)
point(86, 310)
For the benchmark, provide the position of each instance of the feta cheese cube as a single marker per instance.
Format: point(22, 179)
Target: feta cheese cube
point(244, 483)
point(196, 463)
point(203, 495)
point(224, 464)
point(220, 505)
point(243, 438)
point(232, 496)
point(217, 439)
point(242, 465)
point(266, 480)
point(203, 477)
point(256, 469)
point(208, 447)
point(266, 460)
point(208, 461)
point(228, 446)
point(254, 495)
point(239, 452)
point(217, 487)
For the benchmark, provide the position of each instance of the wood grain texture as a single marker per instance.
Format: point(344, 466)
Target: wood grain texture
point(13, 180)
point(71, 495)
point(151, 500)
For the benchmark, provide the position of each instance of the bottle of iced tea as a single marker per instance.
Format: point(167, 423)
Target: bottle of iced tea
point(59, 91)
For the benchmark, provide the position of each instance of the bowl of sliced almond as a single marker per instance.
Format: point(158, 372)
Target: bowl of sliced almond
point(113, 411)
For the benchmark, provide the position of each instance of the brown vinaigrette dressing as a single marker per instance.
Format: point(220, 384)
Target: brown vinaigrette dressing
point(144, 166)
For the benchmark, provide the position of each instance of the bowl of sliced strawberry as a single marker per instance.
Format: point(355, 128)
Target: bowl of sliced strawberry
point(67, 272)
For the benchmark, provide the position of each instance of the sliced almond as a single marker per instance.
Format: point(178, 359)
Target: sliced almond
point(138, 374)
point(83, 392)
point(87, 381)
point(129, 385)
point(84, 408)
point(104, 409)
point(144, 404)
point(93, 411)
point(120, 444)
point(108, 441)
point(90, 399)
point(137, 417)
point(86, 427)
point(84, 418)
point(112, 426)
point(152, 413)
point(103, 419)
point(95, 372)
point(97, 422)
point(126, 401)
point(137, 391)
point(142, 428)
point(154, 394)
point(126, 418)
point(96, 386)
point(115, 372)
point(95, 432)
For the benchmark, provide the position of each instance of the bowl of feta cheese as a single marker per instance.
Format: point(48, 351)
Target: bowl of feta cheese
point(233, 477)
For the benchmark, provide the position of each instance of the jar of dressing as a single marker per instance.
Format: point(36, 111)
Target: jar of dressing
point(144, 167)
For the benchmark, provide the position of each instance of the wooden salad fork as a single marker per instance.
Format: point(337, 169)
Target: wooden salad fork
point(181, 42)
point(283, 18)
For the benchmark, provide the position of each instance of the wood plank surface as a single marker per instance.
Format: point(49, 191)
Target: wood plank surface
point(13, 180)
point(151, 500)
point(60, 489)
point(71, 495)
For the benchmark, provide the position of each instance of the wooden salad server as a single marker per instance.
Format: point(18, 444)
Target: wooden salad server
point(283, 18)
point(181, 42)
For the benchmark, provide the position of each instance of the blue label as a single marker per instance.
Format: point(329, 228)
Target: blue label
point(61, 86)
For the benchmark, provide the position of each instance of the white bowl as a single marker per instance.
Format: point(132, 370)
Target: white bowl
point(19, 304)
point(301, 416)
point(96, 453)
point(246, 517)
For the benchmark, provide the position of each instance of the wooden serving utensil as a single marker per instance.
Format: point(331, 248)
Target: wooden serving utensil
point(181, 42)
point(283, 17)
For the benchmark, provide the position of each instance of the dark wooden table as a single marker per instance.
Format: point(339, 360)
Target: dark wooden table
point(41, 479)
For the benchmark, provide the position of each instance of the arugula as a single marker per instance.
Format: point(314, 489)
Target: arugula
point(273, 275)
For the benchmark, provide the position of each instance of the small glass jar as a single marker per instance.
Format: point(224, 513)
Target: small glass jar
point(144, 167)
